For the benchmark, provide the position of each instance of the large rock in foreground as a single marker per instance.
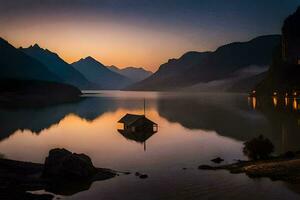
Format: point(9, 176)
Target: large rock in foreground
point(63, 173)
point(63, 164)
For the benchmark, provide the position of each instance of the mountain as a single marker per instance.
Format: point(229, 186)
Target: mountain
point(26, 82)
point(284, 72)
point(97, 73)
point(58, 66)
point(133, 73)
point(15, 64)
point(201, 67)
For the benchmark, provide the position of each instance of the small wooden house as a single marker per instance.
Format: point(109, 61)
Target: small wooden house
point(137, 123)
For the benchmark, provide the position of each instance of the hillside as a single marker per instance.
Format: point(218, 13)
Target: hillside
point(201, 67)
point(58, 66)
point(35, 93)
point(14, 64)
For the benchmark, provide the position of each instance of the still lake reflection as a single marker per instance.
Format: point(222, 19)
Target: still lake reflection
point(193, 129)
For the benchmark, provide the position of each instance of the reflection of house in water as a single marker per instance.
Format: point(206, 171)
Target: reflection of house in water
point(137, 128)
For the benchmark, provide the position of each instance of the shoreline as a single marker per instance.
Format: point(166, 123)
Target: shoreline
point(19, 179)
point(284, 168)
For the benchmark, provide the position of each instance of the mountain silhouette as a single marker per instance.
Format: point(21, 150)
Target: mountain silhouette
point(283, 74)
point(200, 67)
point(15, 64)
point(58, 66)
point(26, 82)
point(97, 73)
point(133, 73)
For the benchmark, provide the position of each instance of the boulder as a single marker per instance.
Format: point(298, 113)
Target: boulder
point(63, 164)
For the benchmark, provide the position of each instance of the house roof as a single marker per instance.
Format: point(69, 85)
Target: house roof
point(130, 119)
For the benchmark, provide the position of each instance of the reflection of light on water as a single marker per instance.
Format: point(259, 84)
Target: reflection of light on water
point(252, 102)
point(295, 104)
point(286, 101)
point(275, 101)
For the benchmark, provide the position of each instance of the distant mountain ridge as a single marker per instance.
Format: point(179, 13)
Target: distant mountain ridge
point(15, 64)
point(201, 67)
point(66, 72)
point(134, 73)
point(99, 74)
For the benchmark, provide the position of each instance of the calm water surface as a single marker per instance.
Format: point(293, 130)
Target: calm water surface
point(193, 129)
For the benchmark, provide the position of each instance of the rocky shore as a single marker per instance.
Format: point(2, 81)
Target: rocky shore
point(285, 168)
point(63, 173)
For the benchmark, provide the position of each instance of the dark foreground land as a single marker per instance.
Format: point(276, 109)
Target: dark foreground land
point(285, 167)
point(35, 93)
point(63, 173)
point(66, 173)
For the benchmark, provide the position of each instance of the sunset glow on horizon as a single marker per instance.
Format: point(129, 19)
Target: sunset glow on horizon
point(130, 33)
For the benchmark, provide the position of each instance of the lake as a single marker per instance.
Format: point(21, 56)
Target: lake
point(192, 130)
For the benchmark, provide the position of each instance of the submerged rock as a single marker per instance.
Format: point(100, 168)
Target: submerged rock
point(137, 173)
point(217, 160)
point(63, 164)
point(143, 176)
point(140, 175)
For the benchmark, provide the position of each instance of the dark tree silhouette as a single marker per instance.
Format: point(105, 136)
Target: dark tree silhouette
point(258, 148)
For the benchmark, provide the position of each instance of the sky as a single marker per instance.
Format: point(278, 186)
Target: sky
point(141, 33)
